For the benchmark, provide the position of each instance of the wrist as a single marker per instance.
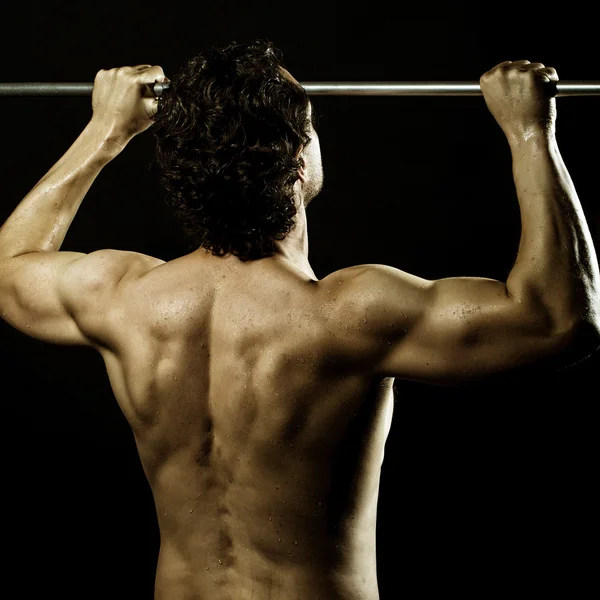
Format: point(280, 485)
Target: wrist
point(108, 139)
point(531, 138)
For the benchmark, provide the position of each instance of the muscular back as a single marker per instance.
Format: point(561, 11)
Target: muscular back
point(260, 426)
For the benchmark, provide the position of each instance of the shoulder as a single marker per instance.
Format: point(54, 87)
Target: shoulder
point(373, 287)
point(99, 274)
point(94, 286)
point(372, 306)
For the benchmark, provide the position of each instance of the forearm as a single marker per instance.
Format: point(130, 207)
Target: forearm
point(41, 220)
point(556, 267)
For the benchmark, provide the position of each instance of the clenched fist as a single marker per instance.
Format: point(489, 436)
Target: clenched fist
point(122, 101)
point(520, 95)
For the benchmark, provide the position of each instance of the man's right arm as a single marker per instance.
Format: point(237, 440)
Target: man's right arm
point(459, 329)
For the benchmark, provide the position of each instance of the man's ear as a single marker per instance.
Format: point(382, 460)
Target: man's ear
point(302, 169)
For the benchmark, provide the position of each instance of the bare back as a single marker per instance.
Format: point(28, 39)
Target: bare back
point(259, 428)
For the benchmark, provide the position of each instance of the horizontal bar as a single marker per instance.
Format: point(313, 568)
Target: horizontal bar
point(325, 88)
point(56, 89)
point(433, 88)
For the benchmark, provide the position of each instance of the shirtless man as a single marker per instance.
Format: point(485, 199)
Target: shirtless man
point(260, 397)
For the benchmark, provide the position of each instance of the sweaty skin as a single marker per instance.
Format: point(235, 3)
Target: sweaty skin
point(258, 426)
point(260, 397)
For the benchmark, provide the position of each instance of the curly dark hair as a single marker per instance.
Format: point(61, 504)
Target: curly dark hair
point(228, 131)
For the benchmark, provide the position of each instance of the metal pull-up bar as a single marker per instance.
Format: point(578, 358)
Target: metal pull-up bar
point(325, 88)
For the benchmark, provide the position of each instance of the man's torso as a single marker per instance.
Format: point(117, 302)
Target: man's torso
point(259, 426)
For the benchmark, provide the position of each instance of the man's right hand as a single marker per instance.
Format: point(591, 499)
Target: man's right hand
point(519, 96)
point(120, 100)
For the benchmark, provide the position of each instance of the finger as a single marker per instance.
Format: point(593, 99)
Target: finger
point(531, 66)
point(500, 66)
point(148, 77)
point(152, 74)
point(150, 106)
point(519, 63)
point(489, 73)
point(550, 73)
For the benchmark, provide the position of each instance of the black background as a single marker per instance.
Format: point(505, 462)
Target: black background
point(485, 491)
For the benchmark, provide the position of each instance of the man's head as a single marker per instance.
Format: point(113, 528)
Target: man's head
point(311, 172)
point(236, 146)
point(310, 179)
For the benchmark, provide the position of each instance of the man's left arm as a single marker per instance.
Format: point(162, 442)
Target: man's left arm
point(44, 291)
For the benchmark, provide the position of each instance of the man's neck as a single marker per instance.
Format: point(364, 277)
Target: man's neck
point(294, 248)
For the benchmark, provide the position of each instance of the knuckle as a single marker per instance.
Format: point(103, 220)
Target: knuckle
point(100, 75)
point(123, 72)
